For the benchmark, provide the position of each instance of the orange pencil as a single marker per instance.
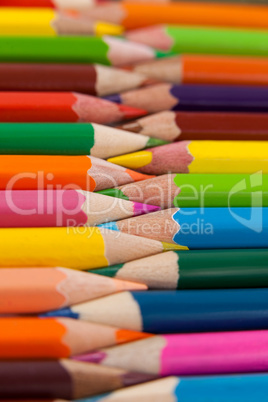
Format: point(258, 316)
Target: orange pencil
point(35, 290)
point(136, 15)
point(206, 69)
point(31, 172)
point(50, 338)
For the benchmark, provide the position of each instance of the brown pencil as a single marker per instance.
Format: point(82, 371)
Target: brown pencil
point(91, 79)
point(170, 126)
point(66, 379)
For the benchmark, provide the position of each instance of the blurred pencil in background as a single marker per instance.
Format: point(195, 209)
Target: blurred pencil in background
point(172, 126)
point(47, 22)
point(90, 79)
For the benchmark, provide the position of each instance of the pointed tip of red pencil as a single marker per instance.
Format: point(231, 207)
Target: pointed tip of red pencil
point(131, 112)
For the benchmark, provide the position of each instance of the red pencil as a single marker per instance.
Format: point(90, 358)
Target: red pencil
point(62, 4)
point(62, 107)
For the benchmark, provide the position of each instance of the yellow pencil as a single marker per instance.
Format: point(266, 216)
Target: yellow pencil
point(199, 157)
point(79, 248)
point(49, 22)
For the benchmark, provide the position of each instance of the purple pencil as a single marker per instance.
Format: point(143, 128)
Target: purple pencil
point(196, 97)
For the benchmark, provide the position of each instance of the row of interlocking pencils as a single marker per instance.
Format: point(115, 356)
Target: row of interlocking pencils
point(133, 200)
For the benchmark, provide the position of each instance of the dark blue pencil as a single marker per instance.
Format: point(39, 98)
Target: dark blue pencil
point(181, 311)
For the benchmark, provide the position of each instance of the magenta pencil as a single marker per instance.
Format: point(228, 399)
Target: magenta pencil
point(52, 208)
point(189, 354)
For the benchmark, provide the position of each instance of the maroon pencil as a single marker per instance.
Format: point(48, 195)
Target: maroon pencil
point(91, 79)
point(171, 126)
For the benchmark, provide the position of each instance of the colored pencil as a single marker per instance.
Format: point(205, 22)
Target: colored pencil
point(79, 248)
point(59, 4)
point(91, 79)
point(21, 172)
point(197, 190)
point(74, 49)
point(136, 15)
point(62, 379)
point(199, 157)
point(204, 40)
point(170, 126)
point(32, 290)
point(195, 389)
point(69, 107)
point(206, 69)
point(191, 354)
point(47, 22)
point(70, 139)
point(196, 269)
point(37, 338)
point(172, 311)
point(160, 190)
point(60, 208)
point(83, 5)
point(157, 98)
point(198, 228)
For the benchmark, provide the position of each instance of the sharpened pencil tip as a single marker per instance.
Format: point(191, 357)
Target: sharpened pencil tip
point(171, 246)
point(131, 112)
point(140, 209)
point(128, 285)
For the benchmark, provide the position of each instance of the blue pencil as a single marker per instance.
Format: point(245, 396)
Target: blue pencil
point(246, 388)
point(201, 228)
point(164, 312)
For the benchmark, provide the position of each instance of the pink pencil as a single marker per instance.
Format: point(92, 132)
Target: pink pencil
point(50, 208)
point(190, 354)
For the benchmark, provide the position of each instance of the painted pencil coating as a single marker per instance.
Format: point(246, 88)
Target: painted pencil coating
point(197, 190)
point(194, 389)
point(192, 354)
point(61, 107)
point(60, 208)
point(196, 269)
point(192, 97)
point(74, 49)
point(70, 139)
point(204, 40)
point(199, 157)
point(64, 4)
point(32, 290)
point(21, 172)
point(172, 311)
point(133, 15)
point(201, 228)
point(79, 248)
point(47, 22)
point(91, 79)
point(170, 126)
point(207, 69)
point(36, 338)
point(62, 379)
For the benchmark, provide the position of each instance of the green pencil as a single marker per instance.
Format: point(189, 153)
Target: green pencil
point(70, 49)
point(69, 139)
point(197, 269)
point(196, 40)
point(198, 190)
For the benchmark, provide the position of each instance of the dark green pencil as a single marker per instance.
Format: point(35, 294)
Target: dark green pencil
point(198, 269)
